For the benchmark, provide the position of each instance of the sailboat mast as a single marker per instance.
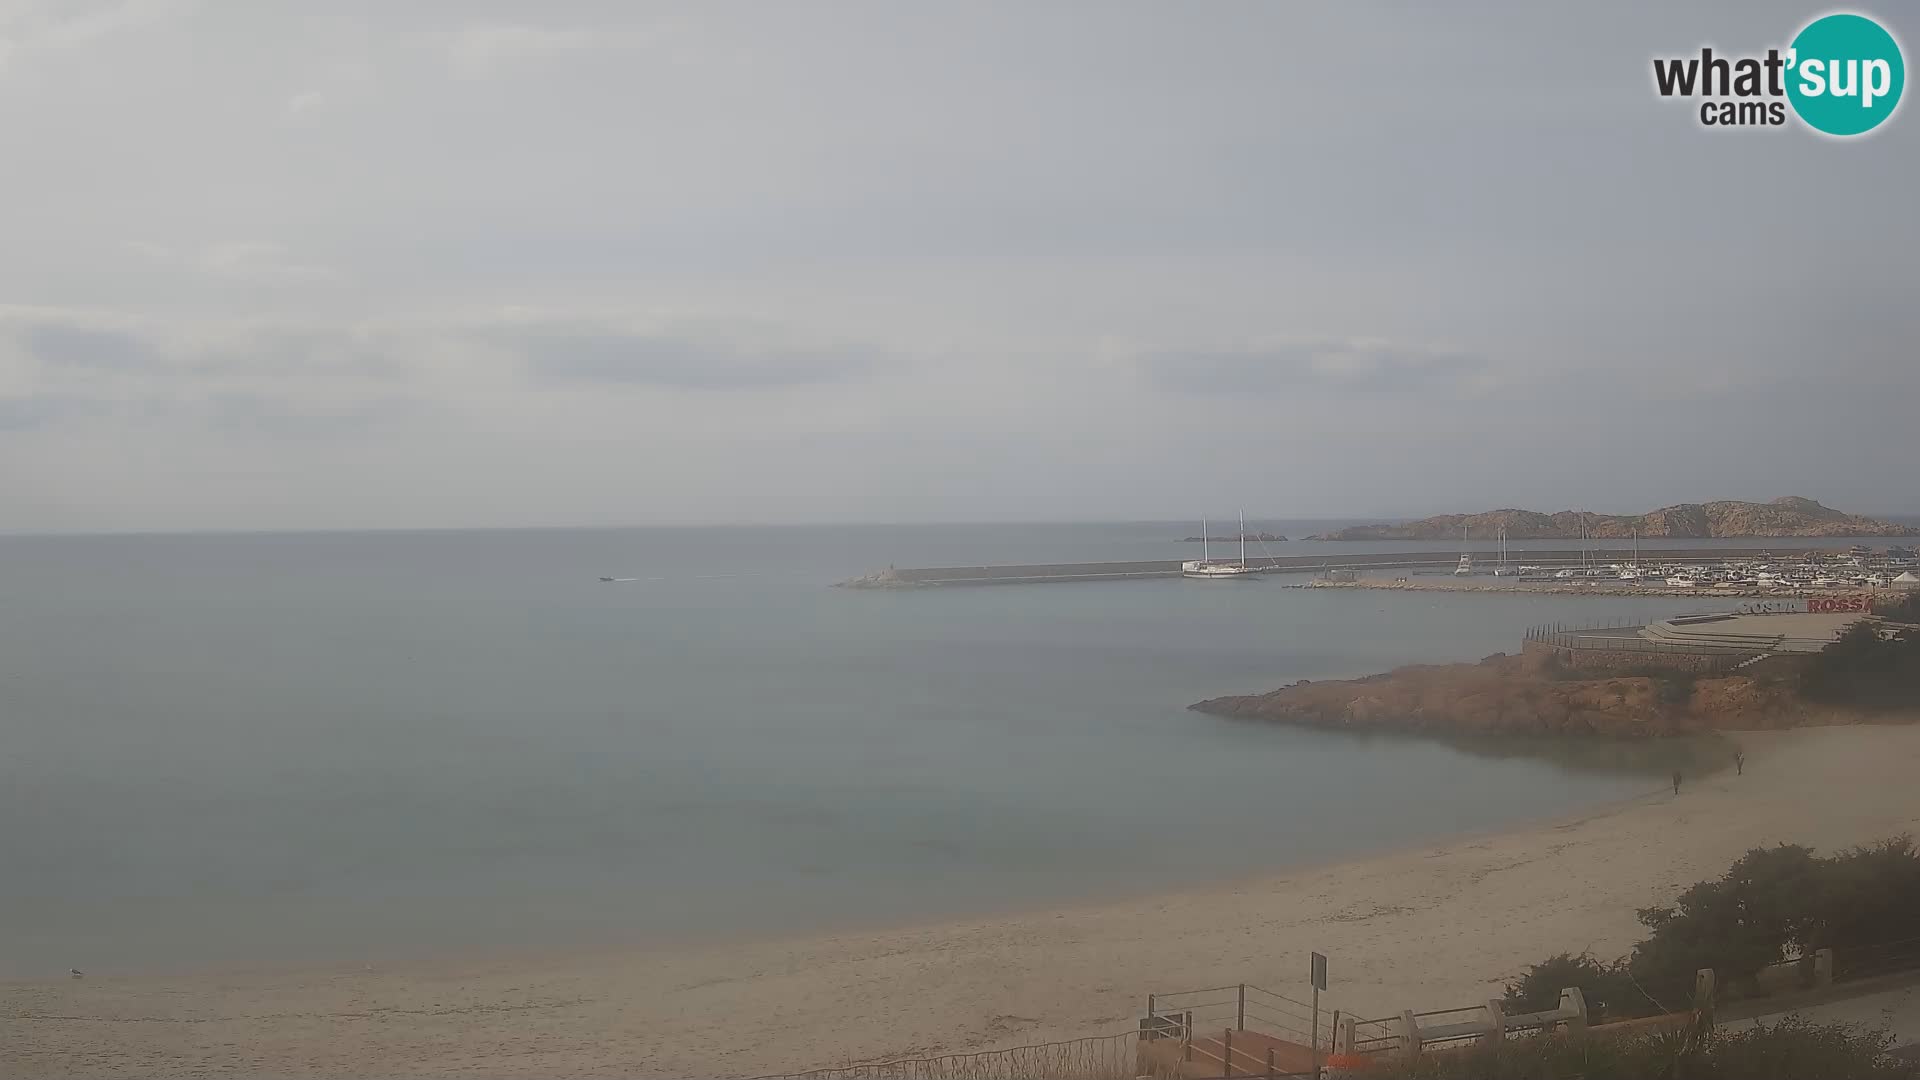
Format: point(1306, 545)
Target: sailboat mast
point(1206, 553)
point(1243, 538)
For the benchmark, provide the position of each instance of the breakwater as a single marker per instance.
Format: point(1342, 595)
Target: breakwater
point(1038, 573)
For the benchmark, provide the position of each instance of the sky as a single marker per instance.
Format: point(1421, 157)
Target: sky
point(271, 265)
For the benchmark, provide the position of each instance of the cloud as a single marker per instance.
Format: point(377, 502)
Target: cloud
point(1354, 365)
point(304, 381)
point(308, 382)
point(335, 84)
point(585, 353)
point(484, 48)
point(25, 413)
point(303, 102)
point(65, 24)
point(257, 261)
point(553, 348)
point(235, 260)
point(71, 345)
point(255, 414)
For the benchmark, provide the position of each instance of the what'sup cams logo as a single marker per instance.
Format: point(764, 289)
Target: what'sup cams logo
point(1842, 75)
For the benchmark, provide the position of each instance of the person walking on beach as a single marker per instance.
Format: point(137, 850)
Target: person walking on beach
point(1676, 782)
point(1739, 763)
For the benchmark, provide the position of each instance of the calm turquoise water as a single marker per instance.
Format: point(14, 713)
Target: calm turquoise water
point(269, 749)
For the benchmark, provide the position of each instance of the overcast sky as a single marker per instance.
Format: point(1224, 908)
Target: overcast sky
point(277, 265)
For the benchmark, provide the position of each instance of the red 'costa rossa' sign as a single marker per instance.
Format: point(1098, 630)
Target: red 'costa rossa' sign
point(1860, 602)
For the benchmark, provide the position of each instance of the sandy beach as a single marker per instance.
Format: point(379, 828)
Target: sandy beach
point(1428, 928)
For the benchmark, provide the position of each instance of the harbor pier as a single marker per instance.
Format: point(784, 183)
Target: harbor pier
point(1366, 562)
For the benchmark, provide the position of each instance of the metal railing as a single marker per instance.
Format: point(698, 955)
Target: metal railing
point(1377, 1036)
point(1244, 1006)
point(1885, 958)
point(1465, 1024)
point(1203, 1055)
point(1581, 636)
point(1105, 1057)
point(1577, 638)
point(1439, 1029)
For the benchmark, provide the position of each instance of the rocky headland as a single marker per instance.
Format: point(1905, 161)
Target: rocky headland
point(1530, 694)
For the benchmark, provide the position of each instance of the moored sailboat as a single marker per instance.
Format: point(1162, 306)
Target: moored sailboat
point(1205, 568)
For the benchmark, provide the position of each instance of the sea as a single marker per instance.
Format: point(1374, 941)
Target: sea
point(257, 751)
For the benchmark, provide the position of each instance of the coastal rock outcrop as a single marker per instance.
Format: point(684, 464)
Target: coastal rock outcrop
point(1505, 694)
point(1788, 516)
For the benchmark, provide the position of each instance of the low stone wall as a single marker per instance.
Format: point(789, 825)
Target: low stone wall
point(1604, 659)
point(1779, 666)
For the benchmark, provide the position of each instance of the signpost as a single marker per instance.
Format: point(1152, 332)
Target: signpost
point(1318, 976)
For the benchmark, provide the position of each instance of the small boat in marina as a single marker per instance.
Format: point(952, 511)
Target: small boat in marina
point(1631, 571)
point(1503, 570)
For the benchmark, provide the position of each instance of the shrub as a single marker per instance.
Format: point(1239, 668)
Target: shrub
point(1865, 896)
point(1772, 903)
point(1793, 1049)
point(1865, 669)
point(1736, 925)
point(1608, 988)
point(1905, 609)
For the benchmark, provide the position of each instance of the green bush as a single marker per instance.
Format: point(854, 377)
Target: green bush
point(1790, 1050)
point(1772, 903)
point(1865, 896)
point(1905, 609)
point(1865, 669)
point(1608, 988)
point(1737, 925)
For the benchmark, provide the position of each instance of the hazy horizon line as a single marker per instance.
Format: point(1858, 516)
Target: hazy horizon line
point(1384, 519)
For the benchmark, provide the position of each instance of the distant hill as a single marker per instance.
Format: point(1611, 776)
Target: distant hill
point(1789, 516)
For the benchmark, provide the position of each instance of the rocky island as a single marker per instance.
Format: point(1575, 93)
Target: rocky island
point(1788, 516)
